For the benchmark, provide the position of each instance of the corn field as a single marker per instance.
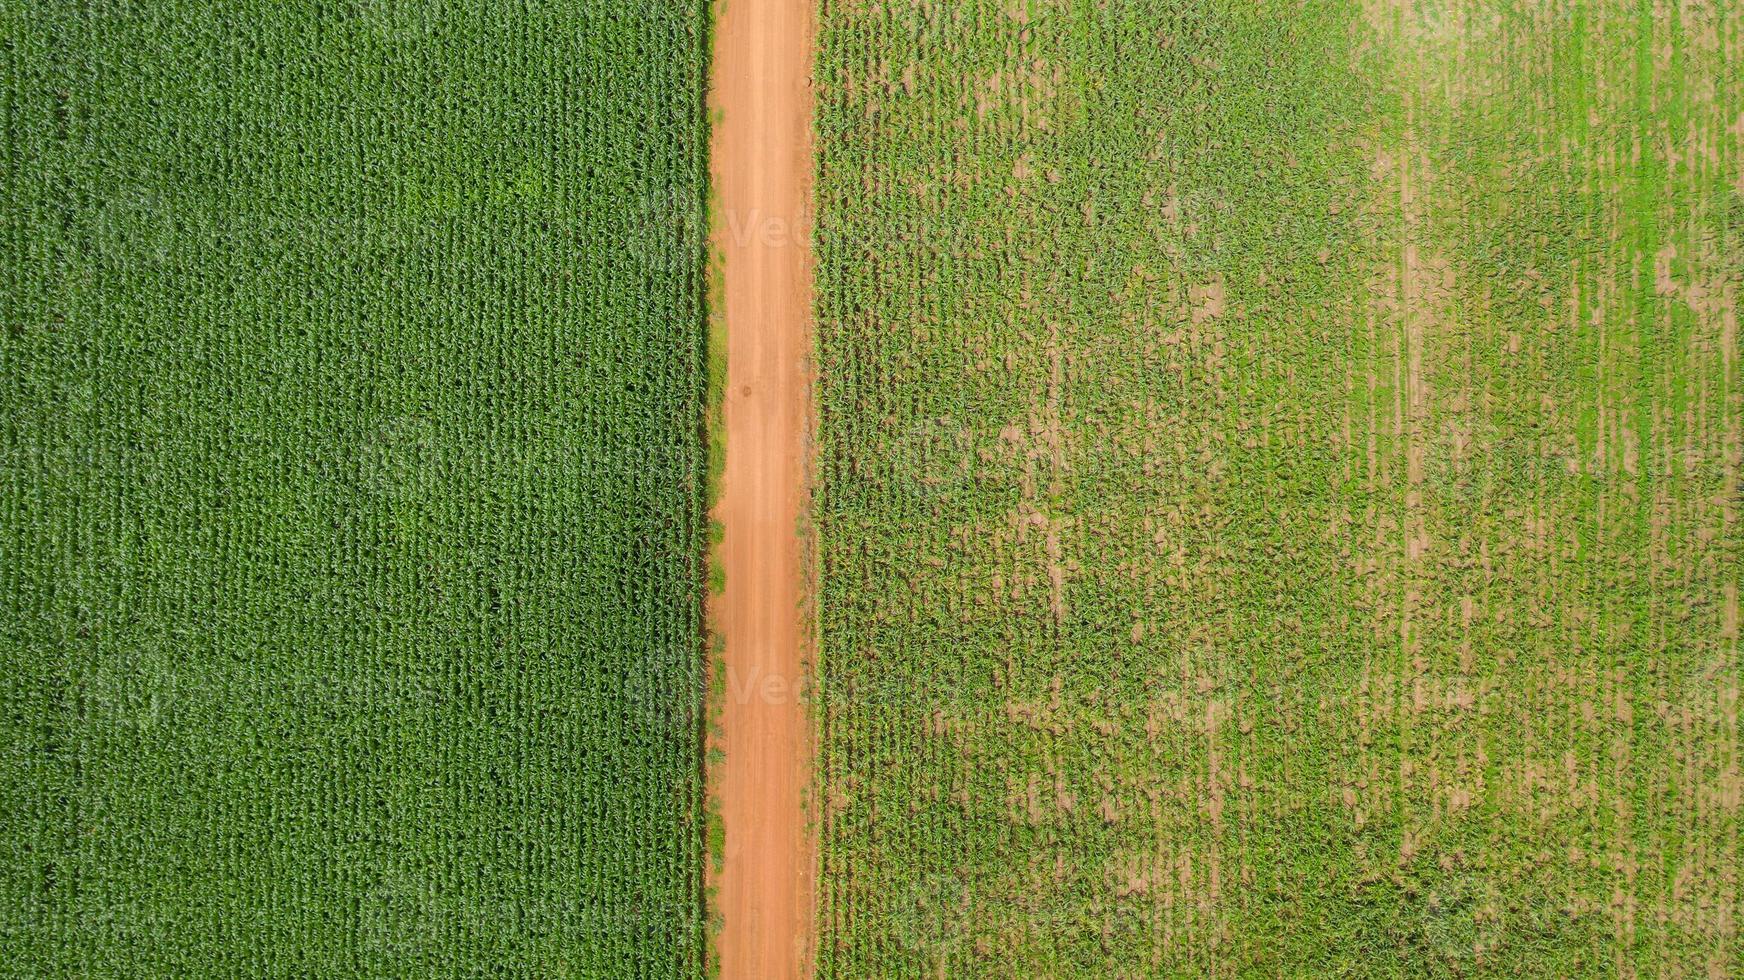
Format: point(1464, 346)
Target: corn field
point(354, 369)
point(1279, 488)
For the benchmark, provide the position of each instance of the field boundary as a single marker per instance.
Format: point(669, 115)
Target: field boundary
point(762, 857)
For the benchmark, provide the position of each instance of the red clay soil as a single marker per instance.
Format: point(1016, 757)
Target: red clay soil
point(761, 162)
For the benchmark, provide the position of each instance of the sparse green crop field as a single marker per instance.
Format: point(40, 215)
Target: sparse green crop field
point(1279, 488)
point(352, 374)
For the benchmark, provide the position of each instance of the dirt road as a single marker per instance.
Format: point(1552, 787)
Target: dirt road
point(761, 167)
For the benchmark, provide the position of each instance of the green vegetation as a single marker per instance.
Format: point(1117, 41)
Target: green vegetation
point(1279, 488)
point(354, 370)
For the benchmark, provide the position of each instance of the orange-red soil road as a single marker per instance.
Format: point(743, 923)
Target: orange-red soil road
point(761, 163)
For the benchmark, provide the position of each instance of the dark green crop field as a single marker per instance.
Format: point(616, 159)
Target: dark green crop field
point(1280, 497)
point(352, 374)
